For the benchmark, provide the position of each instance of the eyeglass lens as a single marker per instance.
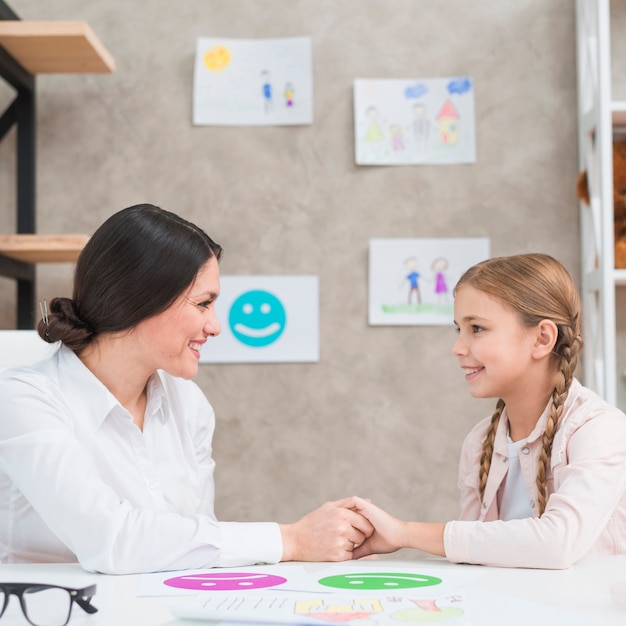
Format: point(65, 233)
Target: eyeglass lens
point(44, 606)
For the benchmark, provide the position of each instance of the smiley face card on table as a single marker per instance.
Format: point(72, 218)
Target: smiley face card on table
point(298, 578)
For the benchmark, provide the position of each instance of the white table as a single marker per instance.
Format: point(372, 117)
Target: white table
point(594, 591)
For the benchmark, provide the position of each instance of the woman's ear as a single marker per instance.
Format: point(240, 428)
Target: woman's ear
point(545, 339)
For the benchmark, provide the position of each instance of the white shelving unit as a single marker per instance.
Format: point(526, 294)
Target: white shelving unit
point(599, 116)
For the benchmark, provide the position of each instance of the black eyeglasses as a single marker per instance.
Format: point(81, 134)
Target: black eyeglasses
point(47, 605)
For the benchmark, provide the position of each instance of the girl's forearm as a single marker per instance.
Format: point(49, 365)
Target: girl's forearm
point(425, 537)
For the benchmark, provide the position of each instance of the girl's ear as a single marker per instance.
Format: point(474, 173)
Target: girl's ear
point(545, 339)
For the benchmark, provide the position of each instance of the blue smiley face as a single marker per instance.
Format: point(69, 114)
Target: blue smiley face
point(257, 318)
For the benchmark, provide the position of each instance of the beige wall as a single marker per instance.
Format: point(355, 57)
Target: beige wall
point(384, 412)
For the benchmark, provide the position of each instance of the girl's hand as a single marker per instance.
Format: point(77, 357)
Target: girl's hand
point(389, 532)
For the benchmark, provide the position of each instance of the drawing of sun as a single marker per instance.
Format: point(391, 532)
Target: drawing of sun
point(217, 58)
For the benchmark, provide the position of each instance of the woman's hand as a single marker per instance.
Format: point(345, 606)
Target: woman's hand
point(330, 533)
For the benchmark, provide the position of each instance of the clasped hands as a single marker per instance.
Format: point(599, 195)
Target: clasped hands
point(341, 530)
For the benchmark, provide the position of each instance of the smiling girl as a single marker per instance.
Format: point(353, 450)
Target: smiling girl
point(543, 479)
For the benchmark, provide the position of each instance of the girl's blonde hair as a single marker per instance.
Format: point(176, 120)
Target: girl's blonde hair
point(537, 287)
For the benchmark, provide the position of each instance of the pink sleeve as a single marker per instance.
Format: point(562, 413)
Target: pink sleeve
point(588, 508)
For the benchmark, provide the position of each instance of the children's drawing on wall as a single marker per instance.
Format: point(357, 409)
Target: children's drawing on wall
point(289, 94)
point(413, 277)
point(253, 82)
point(442, 290)
point(411, 280)
point(414, 121)
point(374, 137)
point(268, 104)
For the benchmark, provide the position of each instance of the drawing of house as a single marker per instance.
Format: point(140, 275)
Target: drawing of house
point(448, 119)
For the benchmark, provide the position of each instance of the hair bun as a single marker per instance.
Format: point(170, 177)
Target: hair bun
point(64, 324)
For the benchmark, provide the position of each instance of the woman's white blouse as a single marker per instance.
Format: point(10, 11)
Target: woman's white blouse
point(79, 481)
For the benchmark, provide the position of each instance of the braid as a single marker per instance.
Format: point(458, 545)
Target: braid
point(567, 347)
point(487, 451)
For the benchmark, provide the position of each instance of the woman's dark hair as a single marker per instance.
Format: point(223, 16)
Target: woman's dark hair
point(134, 266)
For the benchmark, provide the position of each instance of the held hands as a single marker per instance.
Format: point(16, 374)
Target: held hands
point(353, 528)
point(330, 533)
point(389, 533)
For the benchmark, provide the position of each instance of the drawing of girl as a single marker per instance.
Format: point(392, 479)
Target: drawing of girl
point(439, 266)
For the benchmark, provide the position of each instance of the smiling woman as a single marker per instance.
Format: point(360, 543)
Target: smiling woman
point(106, 445)
point(123, 301)
point(190, 319)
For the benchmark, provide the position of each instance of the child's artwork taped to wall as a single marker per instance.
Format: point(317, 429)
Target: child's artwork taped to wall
point(411, 280)
point(414, 121)
point(253, 82)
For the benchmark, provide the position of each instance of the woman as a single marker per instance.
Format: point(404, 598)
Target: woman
point(105, 448)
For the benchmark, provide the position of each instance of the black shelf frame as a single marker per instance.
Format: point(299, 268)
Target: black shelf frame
point(21, 114)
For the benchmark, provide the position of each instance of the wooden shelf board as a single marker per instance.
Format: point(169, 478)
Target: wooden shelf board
point(55, 47)
point(43, 248)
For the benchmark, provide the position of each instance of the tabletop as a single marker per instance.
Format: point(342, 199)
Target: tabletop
point(592, 592)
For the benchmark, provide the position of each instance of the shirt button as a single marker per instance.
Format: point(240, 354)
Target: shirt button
point(504, 460)
point(532, 504)
point(526, 450)
point(153, 486)
point(484, 505)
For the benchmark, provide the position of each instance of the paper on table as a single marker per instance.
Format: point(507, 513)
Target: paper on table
point(471, 606)
point(278, 607)
point(495, 609)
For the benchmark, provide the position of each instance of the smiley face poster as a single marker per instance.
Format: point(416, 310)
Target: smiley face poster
point(266, 319)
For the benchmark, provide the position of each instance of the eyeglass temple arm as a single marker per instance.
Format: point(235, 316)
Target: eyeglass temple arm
point(83, 597)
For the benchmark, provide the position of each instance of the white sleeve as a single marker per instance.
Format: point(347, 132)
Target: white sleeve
point(41, 455)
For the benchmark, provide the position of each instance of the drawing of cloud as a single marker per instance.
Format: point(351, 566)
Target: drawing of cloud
point(415, 91)
point(459, 85)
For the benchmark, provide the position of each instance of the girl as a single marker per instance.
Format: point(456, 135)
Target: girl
point(105, 448)
point(543, 479)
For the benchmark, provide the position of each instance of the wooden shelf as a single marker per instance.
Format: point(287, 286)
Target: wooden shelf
point(28, 48)
point(55, 47)
point(43, 248)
